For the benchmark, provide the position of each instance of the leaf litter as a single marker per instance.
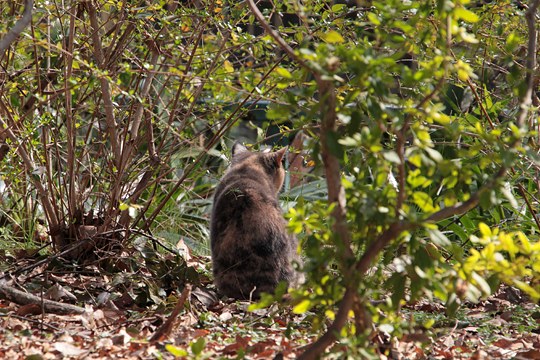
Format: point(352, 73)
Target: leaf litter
point(119, 326)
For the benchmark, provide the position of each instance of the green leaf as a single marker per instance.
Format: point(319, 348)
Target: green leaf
point(338, 7)
point(423, 201)
point(438, 238)
point(484, 230)
point(302, 306)
point(423, 136)
point(373, 19)
point(228, 66)
point(198, 346)
point(265, 301)
point(465, 15)
point(482, 283)
point(458, 231)
point(452, 304)
point(512, 42)
point(332, 141)
point(434, 154)
point(392, 156)
point(398, 282)
point(176, 351)
point(349, 141)
point(429, 323)
point(333, 37)
point(284, 73)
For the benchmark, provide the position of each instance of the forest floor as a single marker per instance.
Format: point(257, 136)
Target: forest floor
point(505, 326)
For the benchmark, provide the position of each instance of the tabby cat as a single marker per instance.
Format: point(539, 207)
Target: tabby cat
point(251, 248)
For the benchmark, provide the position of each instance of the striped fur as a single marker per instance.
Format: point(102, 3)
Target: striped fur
point(251, 248)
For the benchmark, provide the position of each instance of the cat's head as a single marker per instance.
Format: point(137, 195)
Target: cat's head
point(271, 162)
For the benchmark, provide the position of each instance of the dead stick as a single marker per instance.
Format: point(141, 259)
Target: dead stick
point(18, 27)
point(165, 329)
point(49, 306)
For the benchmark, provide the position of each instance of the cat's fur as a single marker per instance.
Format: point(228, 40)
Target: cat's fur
point(251, 248)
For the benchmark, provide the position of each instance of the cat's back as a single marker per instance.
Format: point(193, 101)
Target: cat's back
point(245, 190)
point(245, 201)
point(251, 248)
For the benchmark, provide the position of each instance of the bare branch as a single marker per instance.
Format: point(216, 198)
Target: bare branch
point(526, 101)
point(314, 350)
point(49, 306)
point(166, 328)
point(30, 167)
point(105, 89)
point(275, 35)
point(18, 28)
point(71, 126)
point(332, 169)
point(228, 123)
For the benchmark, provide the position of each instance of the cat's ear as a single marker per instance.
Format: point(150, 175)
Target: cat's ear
point(238, 148)
point(280, 154)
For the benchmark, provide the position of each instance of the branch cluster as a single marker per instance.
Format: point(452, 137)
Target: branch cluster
point(336, 192)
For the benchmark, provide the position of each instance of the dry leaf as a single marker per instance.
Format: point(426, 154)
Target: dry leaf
point(68, 349)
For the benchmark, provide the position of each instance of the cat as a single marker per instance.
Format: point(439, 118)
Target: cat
point(251, 248)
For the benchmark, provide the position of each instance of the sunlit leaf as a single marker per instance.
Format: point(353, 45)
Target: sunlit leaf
point(302, 306)
point(484, 230)
point(465, 15)
point(176, 351)
point(284, 72)
point(333, 37)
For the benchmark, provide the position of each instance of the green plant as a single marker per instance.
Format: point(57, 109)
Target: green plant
point(405, 157)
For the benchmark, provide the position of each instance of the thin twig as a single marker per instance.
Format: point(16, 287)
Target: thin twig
point(30, 167)
point(275, 35)
point(66, 250)
point(39, 322)
point(104, 82)
point(529, 205)
point(526, 101)
point(227, 124)
point(166, 328)
point(17, 29)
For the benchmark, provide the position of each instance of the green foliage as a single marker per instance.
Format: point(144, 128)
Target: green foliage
point(427, 95)
point(116, 115)
point(502, 257)
point(411, 144)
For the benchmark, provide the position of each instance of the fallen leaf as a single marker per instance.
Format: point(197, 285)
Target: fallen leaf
point(58, 292)
point(231, 349)
point(200, 332)
point(30, 309)
point(479, 355)
point(530, 354)
point(68, 349)
point(471, 329)
point(225, 316)
point(122, 338)
point(207, 297)
point(509, 344)
point(507, 315)
point(184, 250)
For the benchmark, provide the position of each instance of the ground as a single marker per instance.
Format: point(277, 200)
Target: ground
point(504, 326)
